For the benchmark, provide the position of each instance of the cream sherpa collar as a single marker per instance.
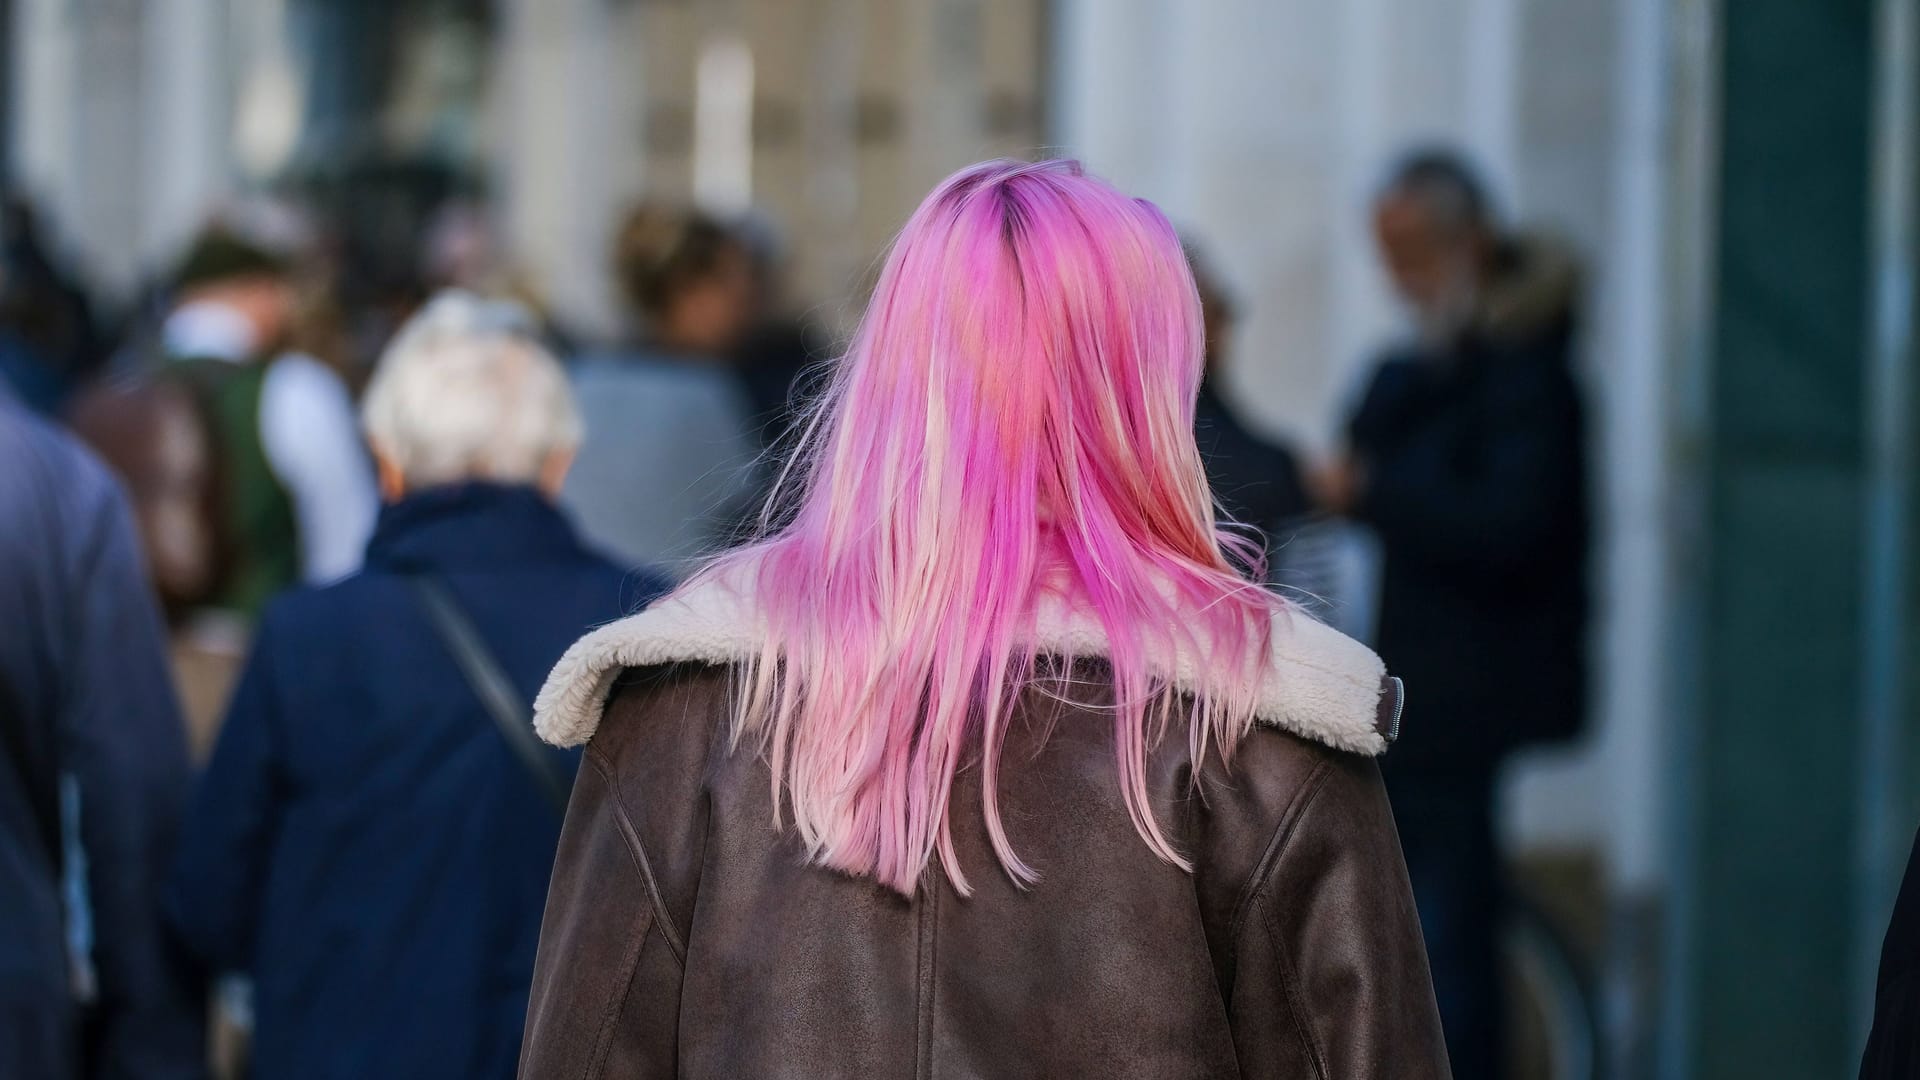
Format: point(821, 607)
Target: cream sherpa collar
point(1320, 684)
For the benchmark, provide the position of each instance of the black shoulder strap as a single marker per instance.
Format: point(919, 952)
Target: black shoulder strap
point(490, 684)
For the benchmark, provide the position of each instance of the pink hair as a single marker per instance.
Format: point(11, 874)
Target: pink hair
point(1011, 424)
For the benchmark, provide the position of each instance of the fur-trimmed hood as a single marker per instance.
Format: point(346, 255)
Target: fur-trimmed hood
point(1536, 287)
point(1319, 683)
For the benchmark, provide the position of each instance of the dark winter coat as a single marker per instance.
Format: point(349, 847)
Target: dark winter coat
point(365, 843)
point(85, 695)
point(1474, 467)
point(1255, 479)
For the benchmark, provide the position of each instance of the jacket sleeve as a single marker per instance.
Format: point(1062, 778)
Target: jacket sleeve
point(221, 870)
point(1330, 975)
point(1492, 512)
point(606, 985)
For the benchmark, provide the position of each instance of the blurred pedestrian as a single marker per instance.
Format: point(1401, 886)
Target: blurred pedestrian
point(153, 434)
point(295, 499)
point(1468, 459)
point(886, 794)
point(93, 771)
point(669, 457)
point(460, 249)
point(372, 838)
point(1255, 479)
point(49, 342)
point(780, 348)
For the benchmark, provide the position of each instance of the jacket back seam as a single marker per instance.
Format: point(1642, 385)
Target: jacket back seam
point(661, 917)
point(928, 957)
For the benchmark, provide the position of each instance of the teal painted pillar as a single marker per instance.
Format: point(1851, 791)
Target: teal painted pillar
point(1768, 879)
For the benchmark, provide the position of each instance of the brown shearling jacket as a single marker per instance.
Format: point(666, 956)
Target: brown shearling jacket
point(686, 937)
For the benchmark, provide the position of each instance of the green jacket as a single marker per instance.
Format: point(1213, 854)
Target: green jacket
point(259, 537)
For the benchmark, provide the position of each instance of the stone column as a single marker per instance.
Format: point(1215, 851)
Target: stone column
point(565, 129)
point(78, 88)
point(1767, 868)
point(121, 127)
point(187, 122)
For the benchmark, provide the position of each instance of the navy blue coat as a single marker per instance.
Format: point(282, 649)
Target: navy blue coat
point(84, 694)
point(364, 841)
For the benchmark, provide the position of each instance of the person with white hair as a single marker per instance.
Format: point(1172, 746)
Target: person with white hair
point(372, 838)
point(465, 392)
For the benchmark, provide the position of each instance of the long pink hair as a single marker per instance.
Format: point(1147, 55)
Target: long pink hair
point(1011, 427)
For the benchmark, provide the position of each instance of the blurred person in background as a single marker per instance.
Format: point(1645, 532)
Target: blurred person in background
point(668, 464)
point(235, 436)
point(296, 498)
point(1468, 460)
point(778, 349)
point(887, 793)
point(372, 838)
point(460, 248)
point(49, 342)
point(93, 772)
point(153, 434)
point(1255, 480)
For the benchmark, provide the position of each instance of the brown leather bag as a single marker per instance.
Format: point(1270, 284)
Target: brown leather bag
point(154, 436)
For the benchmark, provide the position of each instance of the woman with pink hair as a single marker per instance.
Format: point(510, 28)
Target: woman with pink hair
point(986, 761)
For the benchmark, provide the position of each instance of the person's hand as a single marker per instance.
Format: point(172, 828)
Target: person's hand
point(1336, 485)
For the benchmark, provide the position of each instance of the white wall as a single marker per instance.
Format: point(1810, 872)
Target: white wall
point(566, 115)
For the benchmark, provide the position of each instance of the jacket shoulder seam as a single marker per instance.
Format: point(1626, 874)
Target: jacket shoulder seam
point(637, 851)
point(1282, 833)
